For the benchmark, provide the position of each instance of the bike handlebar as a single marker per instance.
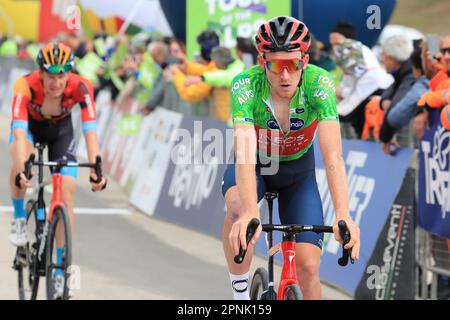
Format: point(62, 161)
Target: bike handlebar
point(296, 228)
point(97, 166)
point(251, 229)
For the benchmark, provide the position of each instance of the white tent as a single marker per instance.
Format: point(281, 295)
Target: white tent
point(146, 14)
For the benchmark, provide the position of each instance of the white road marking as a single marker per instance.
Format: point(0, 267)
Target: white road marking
point(85, 211)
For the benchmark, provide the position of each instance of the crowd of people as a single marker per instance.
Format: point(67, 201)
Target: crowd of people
point(377, 96)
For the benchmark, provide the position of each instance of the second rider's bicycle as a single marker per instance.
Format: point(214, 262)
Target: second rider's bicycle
point(38, 258)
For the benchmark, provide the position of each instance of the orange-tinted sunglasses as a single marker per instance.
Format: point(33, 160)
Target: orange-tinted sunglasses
point(277, 65)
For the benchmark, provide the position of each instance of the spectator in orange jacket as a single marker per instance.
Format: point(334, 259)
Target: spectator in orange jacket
point(439, 95)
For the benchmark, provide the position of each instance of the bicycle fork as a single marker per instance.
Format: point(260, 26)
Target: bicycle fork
point(270, 294)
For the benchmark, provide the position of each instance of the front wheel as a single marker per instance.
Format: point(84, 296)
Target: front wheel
point(57, 268)
point(260, 283)
point(292, 292)
point(25, 261)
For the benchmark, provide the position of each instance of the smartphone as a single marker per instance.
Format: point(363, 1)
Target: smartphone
point(433, 44)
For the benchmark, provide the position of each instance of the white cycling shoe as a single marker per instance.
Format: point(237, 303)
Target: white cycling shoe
point(18, 236)
point(59, 287)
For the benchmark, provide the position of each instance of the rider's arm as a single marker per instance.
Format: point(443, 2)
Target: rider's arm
point(244, 144)
point(85, 94)
point(245, 151)
point(22, 96)
point(331, 149)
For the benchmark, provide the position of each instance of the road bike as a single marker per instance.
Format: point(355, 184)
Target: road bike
point(38, 258)
point(262, 285)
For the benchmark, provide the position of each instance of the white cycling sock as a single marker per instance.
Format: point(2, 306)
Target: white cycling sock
point(239, 284)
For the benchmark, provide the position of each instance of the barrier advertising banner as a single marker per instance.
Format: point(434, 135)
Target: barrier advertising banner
point(120, 138)
point(150, 159)
point(191, 194)
point(231, 19)
point(434, 178)
point(390, 271)
point(374, 180)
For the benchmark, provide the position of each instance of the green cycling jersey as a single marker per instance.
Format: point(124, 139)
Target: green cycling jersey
point(314, 101)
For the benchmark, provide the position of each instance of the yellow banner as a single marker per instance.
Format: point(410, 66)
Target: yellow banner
point(20, 18)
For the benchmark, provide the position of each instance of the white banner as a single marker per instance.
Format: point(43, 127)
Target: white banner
point(152, 158)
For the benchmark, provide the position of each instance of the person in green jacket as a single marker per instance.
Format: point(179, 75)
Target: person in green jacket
point(228, 67)
point(9, 48)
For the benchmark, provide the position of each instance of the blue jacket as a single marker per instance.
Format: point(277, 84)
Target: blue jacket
point(400, 113)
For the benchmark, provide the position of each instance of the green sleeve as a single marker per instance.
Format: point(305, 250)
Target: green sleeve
point(322, 94)
point(242, 96)
point(218, 78)
point(223, 78)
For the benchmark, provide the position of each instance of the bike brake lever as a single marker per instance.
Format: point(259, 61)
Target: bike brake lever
point(251, 229)
point(346, 253)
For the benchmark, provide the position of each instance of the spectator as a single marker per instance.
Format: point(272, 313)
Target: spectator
point(159, 51)
point(395, 53)
point(207, 40)
point(9, 48)
point(318, 57)
point(399, 114)
point(438, 97)
point(433, 71)
point(172, 54)
point(219, 80)
point(342, 30)
point(359, 83)
point(177, 48)
point(246, 51)
point(78, 45)
point(345, 30)
point(228, 68)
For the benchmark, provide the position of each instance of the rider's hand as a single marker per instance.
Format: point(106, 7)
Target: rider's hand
point(390, 147)
point(98, 186)
point(24, 182)
point(354, 243)
point(239, 231)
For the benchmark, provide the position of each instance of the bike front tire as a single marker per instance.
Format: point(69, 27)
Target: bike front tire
point(60, 220)
point(26, 258)
point(260, 283)
point(292, 292)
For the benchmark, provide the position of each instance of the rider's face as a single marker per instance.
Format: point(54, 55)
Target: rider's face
point(284, 84)
point(54, 84)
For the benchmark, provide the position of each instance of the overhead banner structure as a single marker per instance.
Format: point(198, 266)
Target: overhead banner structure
point(230, 19)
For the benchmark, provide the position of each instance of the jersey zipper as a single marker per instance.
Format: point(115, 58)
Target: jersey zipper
point(283, 135)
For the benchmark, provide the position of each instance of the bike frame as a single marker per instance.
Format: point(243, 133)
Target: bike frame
point(57, 194)
point(289, 269)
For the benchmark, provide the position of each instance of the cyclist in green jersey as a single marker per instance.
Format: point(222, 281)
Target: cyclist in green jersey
point(278, 107)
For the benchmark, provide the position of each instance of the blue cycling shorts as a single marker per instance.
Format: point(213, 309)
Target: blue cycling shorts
point(298, 195)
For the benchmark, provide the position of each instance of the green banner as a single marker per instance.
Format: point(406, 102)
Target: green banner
point(129, 125)
point(230, 18)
